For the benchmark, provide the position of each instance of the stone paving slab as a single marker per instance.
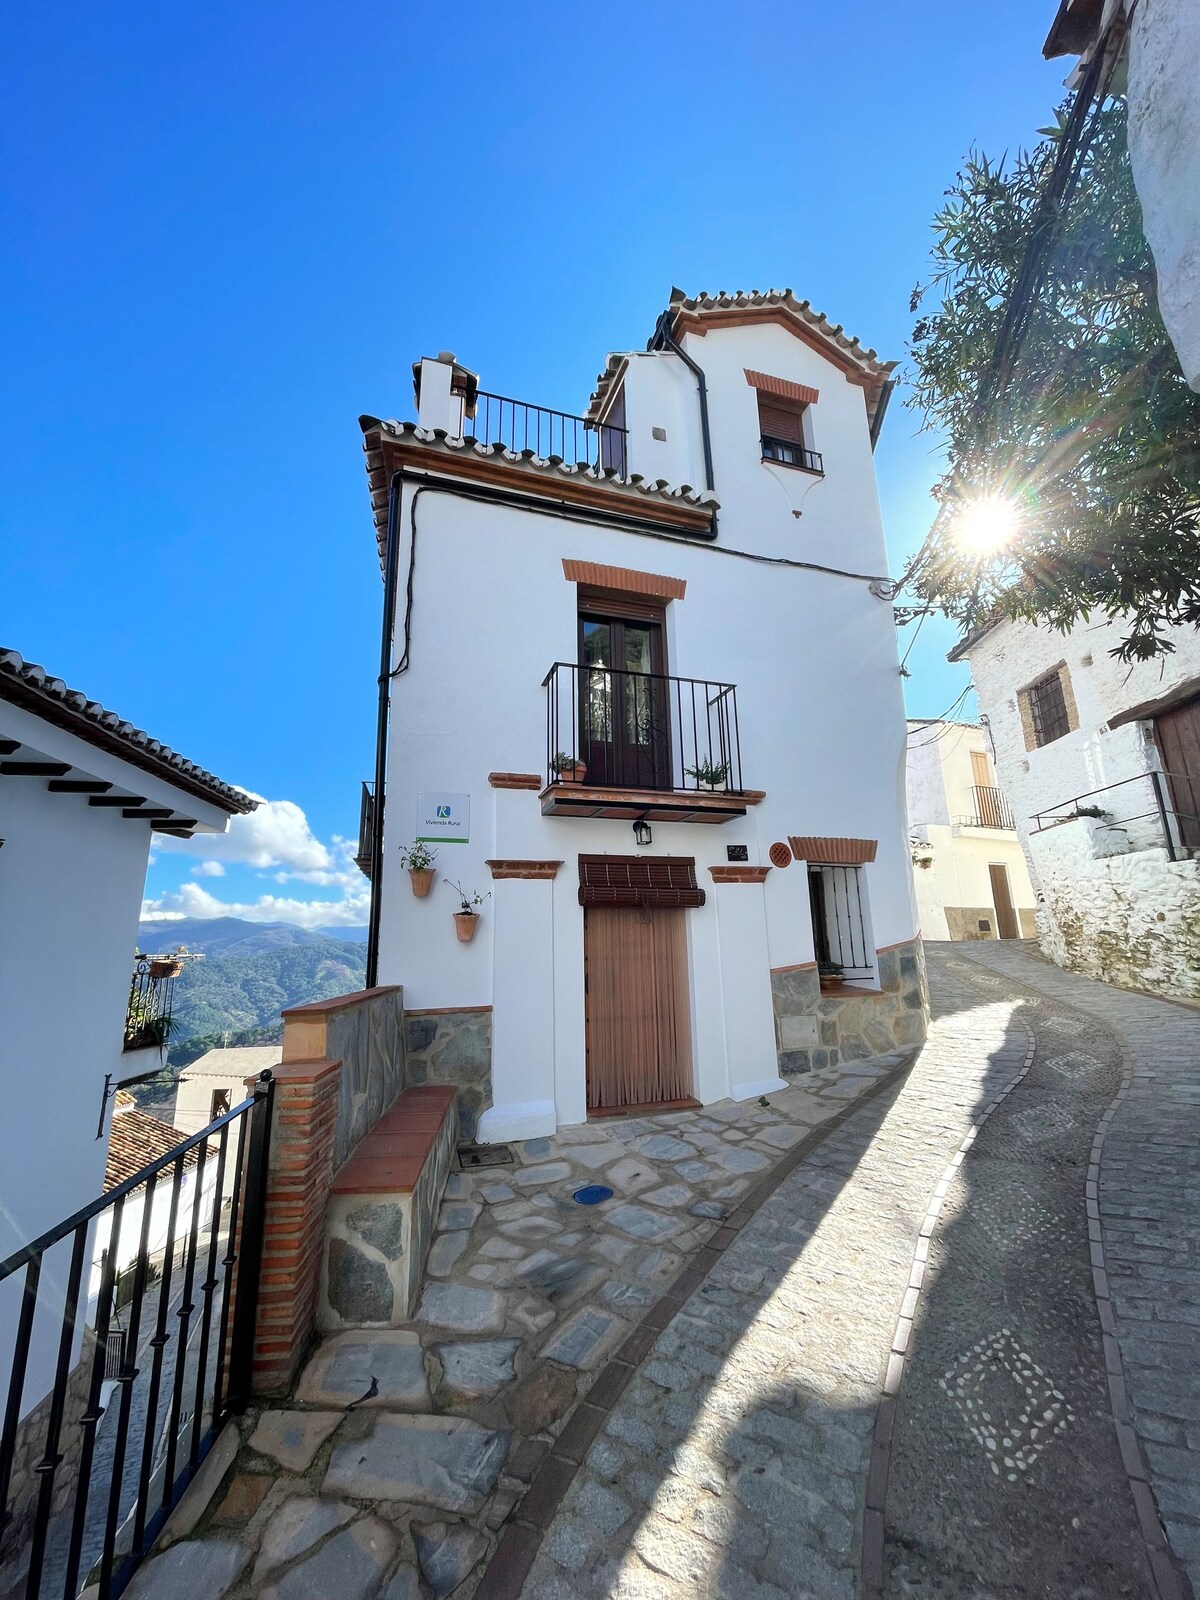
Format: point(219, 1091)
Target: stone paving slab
point(440, 1427)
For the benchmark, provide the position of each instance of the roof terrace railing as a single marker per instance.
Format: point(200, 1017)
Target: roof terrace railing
point(520, 426)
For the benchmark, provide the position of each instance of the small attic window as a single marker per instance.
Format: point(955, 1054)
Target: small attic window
point(785, 421)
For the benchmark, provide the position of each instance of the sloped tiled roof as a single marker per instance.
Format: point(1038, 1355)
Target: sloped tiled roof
point(641, 494)
point(31, 687)
point(136, 1140)
point(234, 1061)
point(851, 354)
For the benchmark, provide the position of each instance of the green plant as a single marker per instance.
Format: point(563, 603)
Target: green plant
point(417, 856)
point(1090, 811)
point(830, 969)
point(144, 1027)
point(562, 762)
point(709, 771)
point(470, 902)
point(1092, 441)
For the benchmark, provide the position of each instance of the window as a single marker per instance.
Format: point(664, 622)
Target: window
point(837, 901)
point(1048, 709)
point(624, 697)
point(782, 425)
point(220, 1104)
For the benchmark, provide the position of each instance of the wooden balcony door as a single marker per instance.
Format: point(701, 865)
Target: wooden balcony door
point(624, 701)
point(639, 1036)
point(1178, 735)
point(1006, 916)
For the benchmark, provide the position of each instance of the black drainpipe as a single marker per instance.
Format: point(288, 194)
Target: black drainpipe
point(664, 338)
point(381, 726)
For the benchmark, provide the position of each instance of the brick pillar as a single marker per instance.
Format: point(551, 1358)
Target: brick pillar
point(299, 1175)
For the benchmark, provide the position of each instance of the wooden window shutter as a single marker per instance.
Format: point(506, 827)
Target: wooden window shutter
point(666, 882)
point(779, 421)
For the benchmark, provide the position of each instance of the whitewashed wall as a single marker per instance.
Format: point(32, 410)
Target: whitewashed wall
point(820, 714)
point(71, 882)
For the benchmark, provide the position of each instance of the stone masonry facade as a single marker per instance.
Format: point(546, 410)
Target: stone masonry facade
point(821, 1030)
point(453, 1047)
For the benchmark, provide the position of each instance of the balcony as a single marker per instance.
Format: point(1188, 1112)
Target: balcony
point(149, 1017)
point(787, 453)
point(549, 434)
point(991, 809)
point(364, 858)
point(634, 745)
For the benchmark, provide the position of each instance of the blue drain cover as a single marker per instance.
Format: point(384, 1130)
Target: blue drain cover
point(592, 1194)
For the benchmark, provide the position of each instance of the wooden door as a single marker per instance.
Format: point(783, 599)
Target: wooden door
point(981, 770)
point(624, 705)
point(1006, 916)
point(639, 1045)
point(1178, 735)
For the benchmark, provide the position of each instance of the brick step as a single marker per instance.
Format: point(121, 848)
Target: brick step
point(383, 1204)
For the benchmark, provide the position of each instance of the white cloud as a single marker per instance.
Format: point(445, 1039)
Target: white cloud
point(192, 900)
point(277, 834)
point(208, 869)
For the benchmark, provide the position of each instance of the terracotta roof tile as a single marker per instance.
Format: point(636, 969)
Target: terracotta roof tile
point(136, 1140)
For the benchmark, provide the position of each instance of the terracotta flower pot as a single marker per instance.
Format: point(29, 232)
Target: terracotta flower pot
point(575, 774)
point(830, 981)
point(165, 969)
point(465, 923)
point(421, 879)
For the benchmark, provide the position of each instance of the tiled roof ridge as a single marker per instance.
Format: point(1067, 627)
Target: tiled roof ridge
point(743, 299)
point(72, 709)
point(547, 466)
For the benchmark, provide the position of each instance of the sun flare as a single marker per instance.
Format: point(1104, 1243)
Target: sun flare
point(986, 525)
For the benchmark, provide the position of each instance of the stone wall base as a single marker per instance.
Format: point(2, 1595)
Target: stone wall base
point(455, 1048)
point(816, 1030)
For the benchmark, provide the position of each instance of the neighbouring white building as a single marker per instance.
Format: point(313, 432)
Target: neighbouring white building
point(645, 698)
point(1156, 44)
point(970, 875)
point(1100, 761)
point(216, 1081)
point(82, 794)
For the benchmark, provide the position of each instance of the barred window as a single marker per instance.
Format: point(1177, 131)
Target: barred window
point(1048, 707)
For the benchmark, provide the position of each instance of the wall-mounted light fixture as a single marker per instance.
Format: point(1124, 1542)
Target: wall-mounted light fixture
point(641, 832)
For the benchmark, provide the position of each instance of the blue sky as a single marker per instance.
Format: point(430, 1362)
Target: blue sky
point(225, 231)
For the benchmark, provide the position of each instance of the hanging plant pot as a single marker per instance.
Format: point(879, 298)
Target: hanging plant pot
point(421, 879)
point(465, 923)
point(166, 969)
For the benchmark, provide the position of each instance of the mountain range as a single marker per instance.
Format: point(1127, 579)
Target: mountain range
point(251, 971)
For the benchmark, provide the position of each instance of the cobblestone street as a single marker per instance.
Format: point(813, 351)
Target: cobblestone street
point(903, 1331)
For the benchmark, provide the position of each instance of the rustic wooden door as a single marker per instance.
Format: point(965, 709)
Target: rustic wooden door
point(1006, 916)
point(1178, 735)
point(639, 1046)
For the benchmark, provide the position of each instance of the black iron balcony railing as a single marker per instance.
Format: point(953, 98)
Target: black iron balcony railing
point(154, 1287)
point(148, 1018)
point(991, 808)
point(520, 426)
point(612, 729)
point(790, 454)
point(364, 859)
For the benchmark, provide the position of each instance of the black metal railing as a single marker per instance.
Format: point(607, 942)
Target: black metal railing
point(364, 859)
point(839, 926)
point(520, 426)
point(151, 1000)
point(1168, 801)
point(992, 810)
point(641, 730)
point(790, 454)
point(152, 1289)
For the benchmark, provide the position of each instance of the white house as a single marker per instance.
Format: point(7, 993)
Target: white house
point(970, 875)
point(82, 794)
point(644, 697)
point(216, 1081)
point(1100, 761)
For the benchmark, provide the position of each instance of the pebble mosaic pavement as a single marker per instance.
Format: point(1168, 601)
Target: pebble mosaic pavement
point(550, 1427)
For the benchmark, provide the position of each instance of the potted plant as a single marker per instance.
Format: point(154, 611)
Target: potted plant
point(568, 768)
point(709, 774)
point(829, 975)
point(419, 859)
point(166, 966)
point(466, 919)
point(143, 1030)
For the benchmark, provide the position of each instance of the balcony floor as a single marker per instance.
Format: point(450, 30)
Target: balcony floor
point(656, 805)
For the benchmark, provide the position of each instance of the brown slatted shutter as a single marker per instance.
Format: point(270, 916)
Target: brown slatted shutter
point(636, 882)
point(779, 421)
